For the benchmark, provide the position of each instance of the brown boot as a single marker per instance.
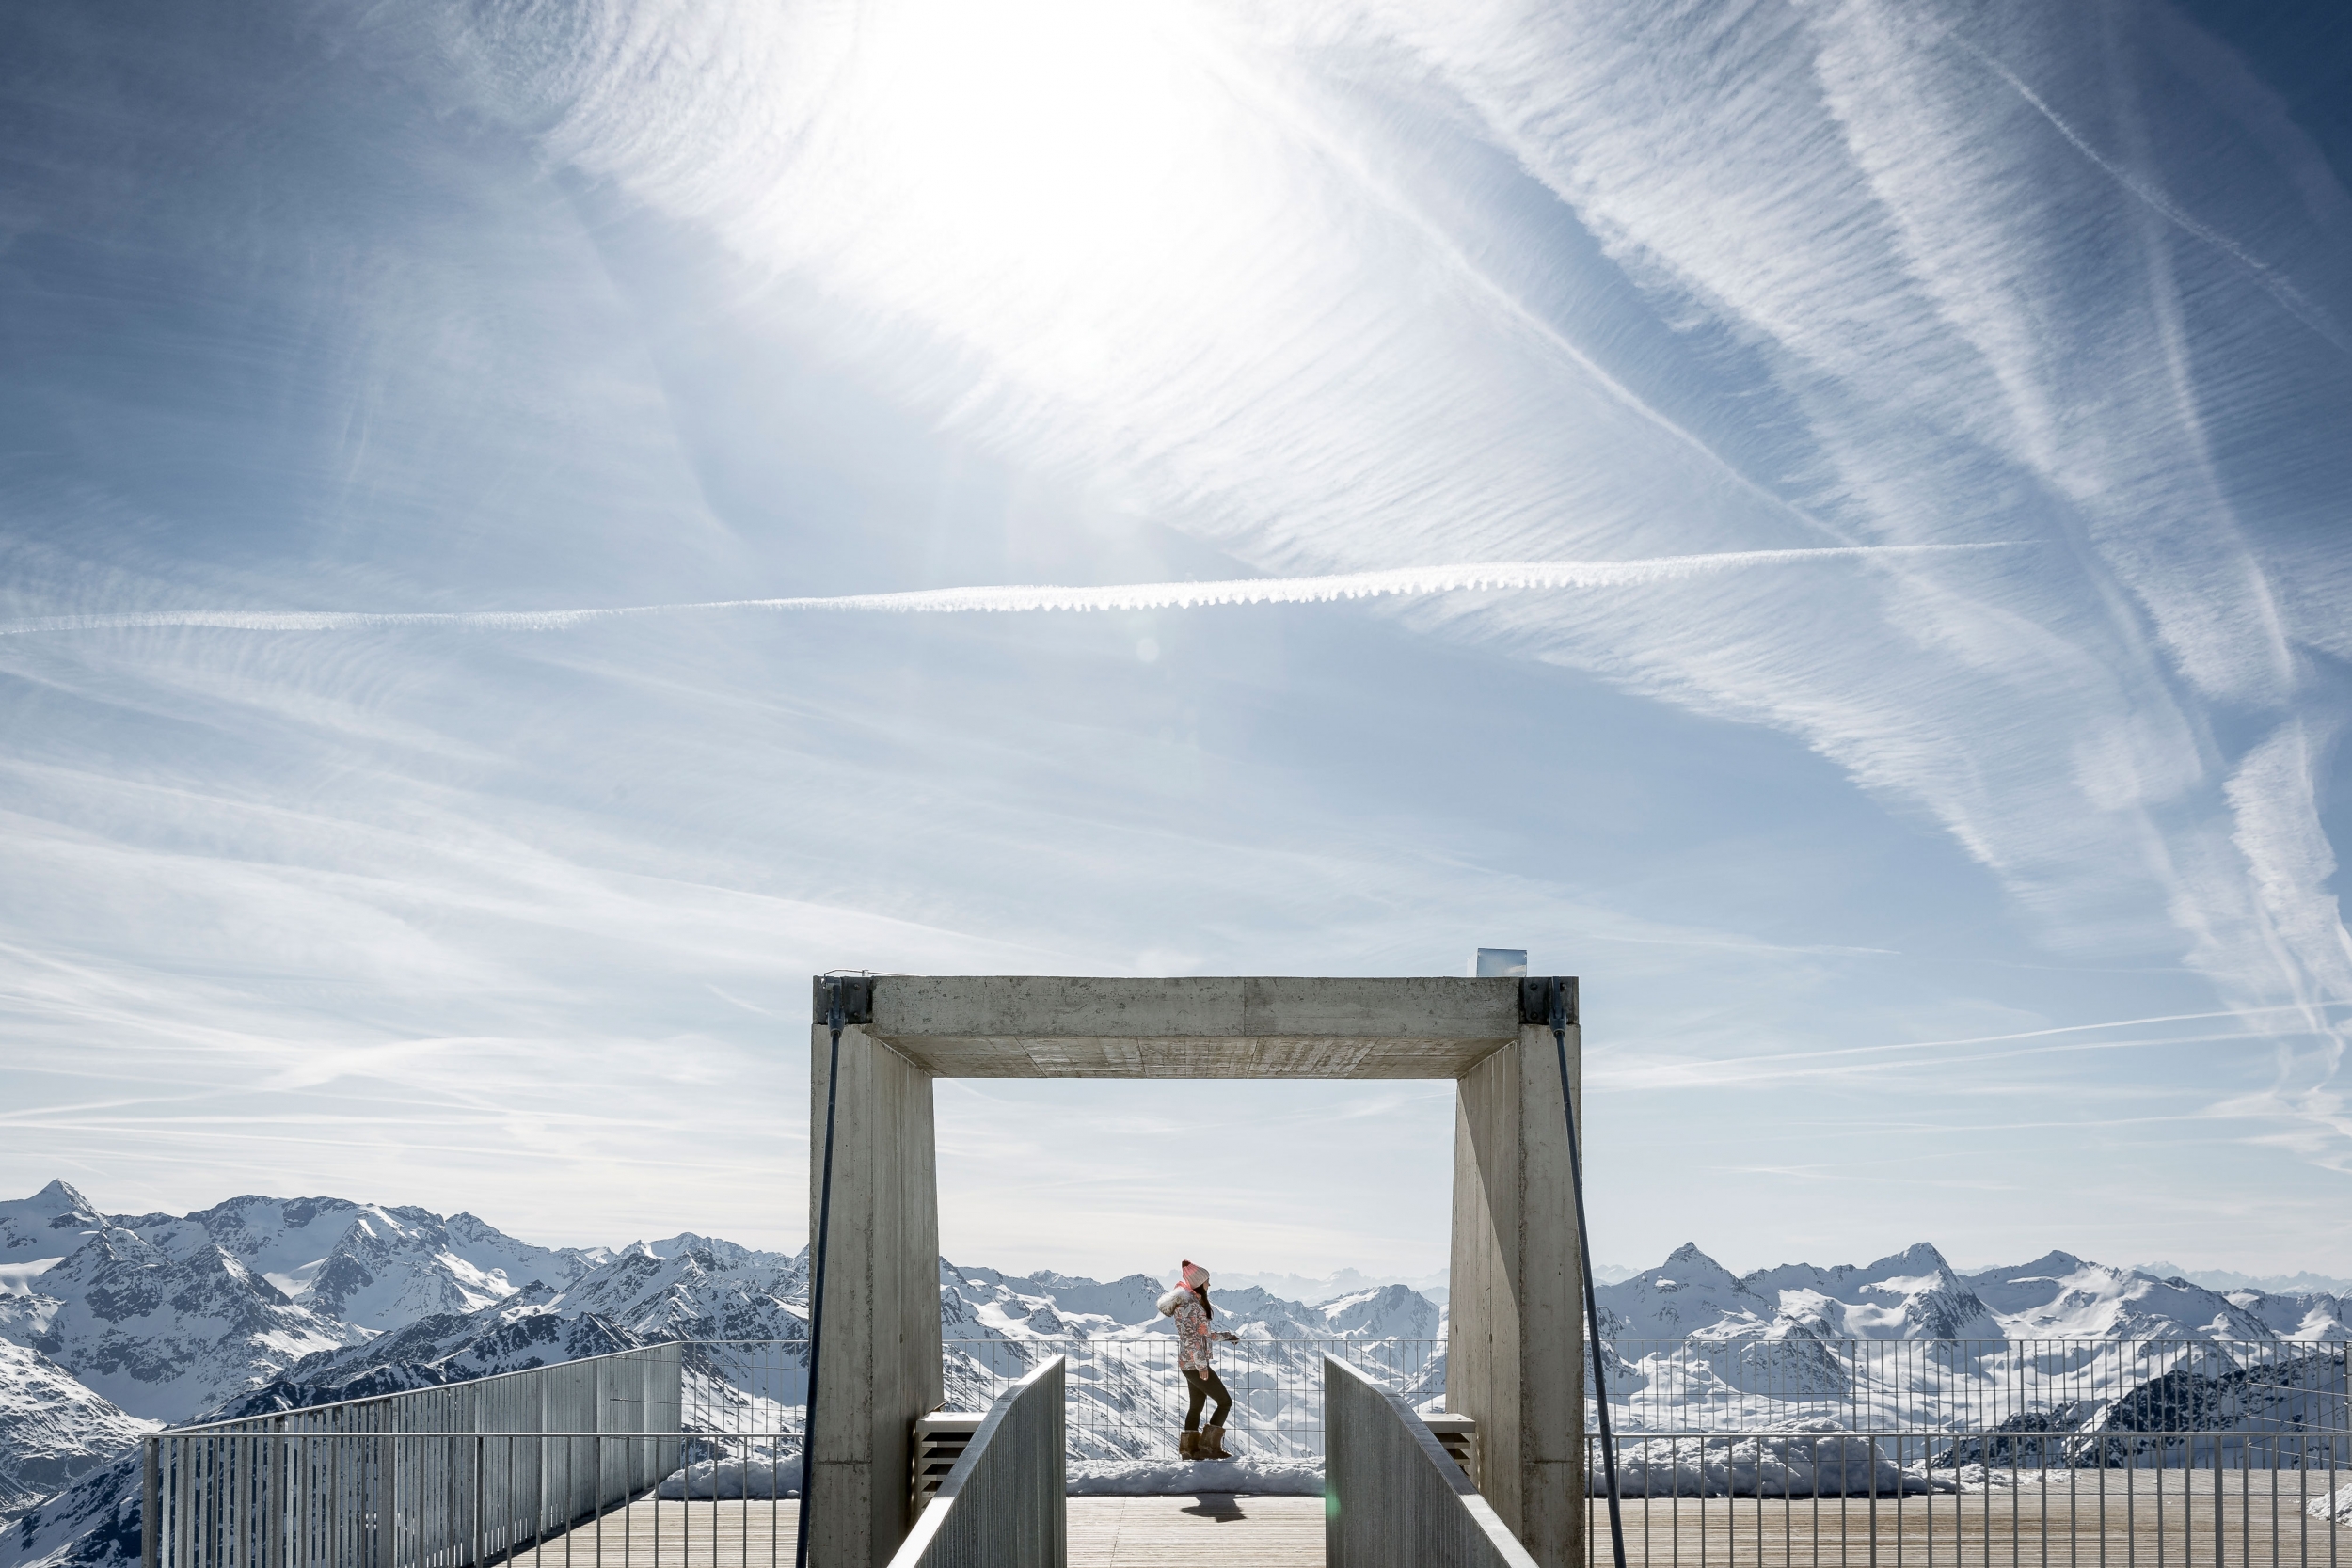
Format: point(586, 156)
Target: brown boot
point(1188, 1444)
point(1212, 1444)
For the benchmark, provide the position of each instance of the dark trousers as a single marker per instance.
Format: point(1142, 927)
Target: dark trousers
point(1202, 1385)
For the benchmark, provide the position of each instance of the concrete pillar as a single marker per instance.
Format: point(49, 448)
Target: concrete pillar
point(881, 1352)
point(1514, 1356)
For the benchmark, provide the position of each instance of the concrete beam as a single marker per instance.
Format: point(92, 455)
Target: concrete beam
point(1052, 1026)
point(881, 1344)
point(1515, 1352)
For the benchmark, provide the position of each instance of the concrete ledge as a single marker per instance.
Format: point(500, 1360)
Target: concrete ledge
point(1056, 1026)
point(1395, 1497)
point(1002, 1505)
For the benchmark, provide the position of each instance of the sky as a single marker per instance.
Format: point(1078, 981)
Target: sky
point(1983, 892)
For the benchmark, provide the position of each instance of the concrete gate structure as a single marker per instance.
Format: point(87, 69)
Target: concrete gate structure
point(1514, 1349)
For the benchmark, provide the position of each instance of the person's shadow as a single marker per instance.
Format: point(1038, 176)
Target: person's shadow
point(1216, 1507)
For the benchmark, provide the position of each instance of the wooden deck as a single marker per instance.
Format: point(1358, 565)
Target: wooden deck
point(2157, 1520)
point(654, 1534)
point(2145, 1523)
point(1211, 1530)
point(1104, 1532)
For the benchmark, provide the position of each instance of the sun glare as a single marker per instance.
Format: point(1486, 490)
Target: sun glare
point(1040, 165)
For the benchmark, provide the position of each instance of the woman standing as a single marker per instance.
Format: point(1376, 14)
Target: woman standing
point(1188, 1304)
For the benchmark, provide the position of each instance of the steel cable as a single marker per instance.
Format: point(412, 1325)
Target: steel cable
point(834, 1017)
point(1558, 998)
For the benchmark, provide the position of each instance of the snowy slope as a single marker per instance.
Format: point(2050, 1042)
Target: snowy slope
point(53, 1429)
point(36, 1231)
point(1916, 1294)
point(1350, 1282)
point(694, 1288)
point(992, 1324)
point(366, 1265)
point(2060, 1296)
point(1010, 1303)
point(450, 1348)
point(2298, 1315)
point(1689, 1293)
point(168, 1315)
point(1694, 1343)
point(164, 1337)
point(687, 1287)
point(1386, 1313)
point(981, 1304)
point(1912, 1295)
point(2229, 1281)
point(93, 1524)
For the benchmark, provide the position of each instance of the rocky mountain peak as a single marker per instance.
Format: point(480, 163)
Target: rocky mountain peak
point(1920, 1260)
point(62, 1200)
point(49, 1224)
point(1686, 1266)
point(2052, 1265)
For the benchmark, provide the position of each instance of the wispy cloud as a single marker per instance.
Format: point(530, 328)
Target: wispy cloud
point(1948, 328)
point(2279, 287)
point(1552, 336)
point(1403, 581)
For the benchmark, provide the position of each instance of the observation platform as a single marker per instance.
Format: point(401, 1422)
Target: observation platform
point(2146, 1517)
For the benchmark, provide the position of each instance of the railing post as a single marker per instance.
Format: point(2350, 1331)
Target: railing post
point(544, 1481)
point(381, 1461)
point(273, 1477)
point(184, 1500)
point(150, 1505)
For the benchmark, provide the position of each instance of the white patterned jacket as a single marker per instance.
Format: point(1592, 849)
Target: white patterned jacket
point(1192, 1333)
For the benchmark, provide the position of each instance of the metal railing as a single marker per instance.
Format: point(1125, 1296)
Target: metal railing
point(1127, 1399)
point(1005, 1501)
point(1773, 1498)
point(1393, 1498)
point(1733, 1451)
point(431, 1477)
point(1752, 1382)
point(1751, 1449)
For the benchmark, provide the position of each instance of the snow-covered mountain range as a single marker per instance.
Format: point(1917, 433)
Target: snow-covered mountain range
point(2057, 1341)
point(1916, 1294)
point(167, 1315)
point(2302, 1283)
point(111, 1325)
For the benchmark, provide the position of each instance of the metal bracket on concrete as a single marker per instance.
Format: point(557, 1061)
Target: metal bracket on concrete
point(1535, 1001)
point(940, 1440)
point(857, 998)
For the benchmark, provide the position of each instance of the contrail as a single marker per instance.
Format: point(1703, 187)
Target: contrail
point(2272, 281)
point(1490, 576)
